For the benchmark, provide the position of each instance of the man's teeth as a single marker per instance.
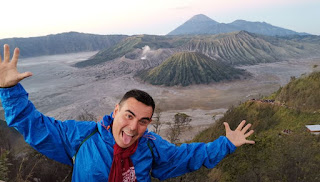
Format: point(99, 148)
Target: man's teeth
point(129, 134)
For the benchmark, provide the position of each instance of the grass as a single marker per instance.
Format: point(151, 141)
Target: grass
point(276, 156)
point(274, 151)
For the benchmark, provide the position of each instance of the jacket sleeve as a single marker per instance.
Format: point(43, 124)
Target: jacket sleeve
point(53, 138)
point(172, 161)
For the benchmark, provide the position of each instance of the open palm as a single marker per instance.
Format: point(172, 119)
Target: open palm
point(9, 75)
point(239, 136)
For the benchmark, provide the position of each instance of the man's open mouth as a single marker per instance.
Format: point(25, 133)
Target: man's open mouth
point(127, 137)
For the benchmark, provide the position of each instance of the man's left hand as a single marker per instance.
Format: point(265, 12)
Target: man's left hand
point(239, 136)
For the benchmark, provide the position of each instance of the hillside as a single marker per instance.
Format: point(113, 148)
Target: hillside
point(247, 48)
point(19, 161)
point(203, 25)
point(301, 94)
point(284, 149)
point(186, 68)
point(129, 45)
point(10, 137)
point(61, 43)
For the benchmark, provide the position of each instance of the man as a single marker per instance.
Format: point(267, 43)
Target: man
point(119, 147)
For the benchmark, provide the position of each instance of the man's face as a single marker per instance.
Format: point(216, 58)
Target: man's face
point(131, 120)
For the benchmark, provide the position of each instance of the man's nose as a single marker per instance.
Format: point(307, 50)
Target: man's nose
point(133, 125)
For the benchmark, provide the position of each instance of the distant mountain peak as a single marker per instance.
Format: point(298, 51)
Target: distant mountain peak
point(201, 18)
point(194, 25)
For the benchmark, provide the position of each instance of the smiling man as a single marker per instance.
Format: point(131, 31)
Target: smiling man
point(119, 147)
point(132, 117)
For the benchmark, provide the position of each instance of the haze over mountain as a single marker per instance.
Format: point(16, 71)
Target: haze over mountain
point(185, 68)
point(202, 25)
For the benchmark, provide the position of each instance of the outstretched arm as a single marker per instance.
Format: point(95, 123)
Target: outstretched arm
point(239, 136)
point(9, 75)
point(171, 161)
point(53, 138)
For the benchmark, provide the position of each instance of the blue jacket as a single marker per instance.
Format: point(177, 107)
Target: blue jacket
point(60, 141)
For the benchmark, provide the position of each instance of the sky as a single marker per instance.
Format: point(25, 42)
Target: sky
point(31, 18)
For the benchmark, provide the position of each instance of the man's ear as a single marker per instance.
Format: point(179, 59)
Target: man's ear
point(116, 110)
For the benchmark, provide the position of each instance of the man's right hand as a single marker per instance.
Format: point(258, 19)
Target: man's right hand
point(9, 75)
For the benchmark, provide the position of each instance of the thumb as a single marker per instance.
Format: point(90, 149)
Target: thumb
point(226, 126)
point(24, 75)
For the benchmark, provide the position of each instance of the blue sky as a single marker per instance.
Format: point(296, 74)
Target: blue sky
point(21, 18)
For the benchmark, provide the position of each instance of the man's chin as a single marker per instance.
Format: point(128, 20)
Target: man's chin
point(122, 145)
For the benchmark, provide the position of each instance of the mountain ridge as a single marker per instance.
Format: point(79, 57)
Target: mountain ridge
point(235, 48)
point(68, 42)
point(246, 48)
point(195, 26)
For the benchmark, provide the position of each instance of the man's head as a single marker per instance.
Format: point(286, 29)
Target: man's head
point(131, 117)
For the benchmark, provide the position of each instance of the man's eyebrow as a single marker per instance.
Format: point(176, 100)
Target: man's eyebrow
point(131, 112)
point(147, 118)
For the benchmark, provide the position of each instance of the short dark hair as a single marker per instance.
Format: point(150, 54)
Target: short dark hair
point(140, 96)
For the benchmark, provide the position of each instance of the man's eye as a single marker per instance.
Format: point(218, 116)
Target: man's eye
point(129, 116)
point(143, 122)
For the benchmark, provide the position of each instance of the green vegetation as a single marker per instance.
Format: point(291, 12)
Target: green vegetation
point(302, 94)
point(284, 149)
point(4, 165)
point(187, 68)
point(277, 155)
